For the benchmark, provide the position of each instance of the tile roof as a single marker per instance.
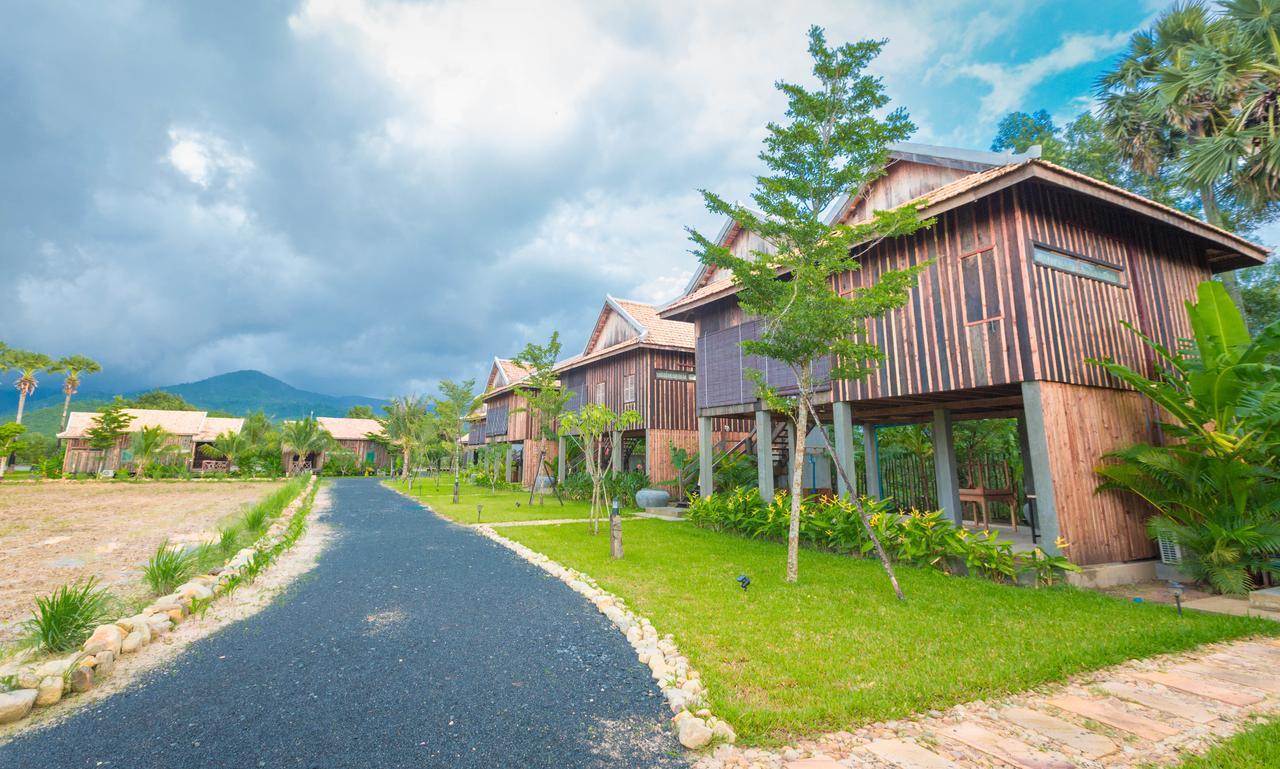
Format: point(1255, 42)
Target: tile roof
point(347, 429)
point(669, 333)
point(186, 423)
point(513, 371)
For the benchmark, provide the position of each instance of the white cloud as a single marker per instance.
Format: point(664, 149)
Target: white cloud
point(206, 159)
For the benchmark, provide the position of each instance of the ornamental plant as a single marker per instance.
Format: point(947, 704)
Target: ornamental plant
point(834, 140)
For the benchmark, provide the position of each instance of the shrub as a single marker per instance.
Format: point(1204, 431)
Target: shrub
point(228, 540)
point(63, 620)
point(169, 568)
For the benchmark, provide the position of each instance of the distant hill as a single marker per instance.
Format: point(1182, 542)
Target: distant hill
point(238, 392)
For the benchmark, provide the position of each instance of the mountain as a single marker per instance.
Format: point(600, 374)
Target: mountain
point(238, 392)
point(242, 392)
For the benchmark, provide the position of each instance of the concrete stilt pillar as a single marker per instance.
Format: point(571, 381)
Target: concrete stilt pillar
point(764, 454)
point(871, 453)
point(842, 419)
point(1036, 461)
point(944, 466)
point(615, 453)
point(706, 485)
point(562, 459)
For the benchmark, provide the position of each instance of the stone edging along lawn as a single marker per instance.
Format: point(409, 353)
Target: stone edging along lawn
point(695, 725)
point(45, 684)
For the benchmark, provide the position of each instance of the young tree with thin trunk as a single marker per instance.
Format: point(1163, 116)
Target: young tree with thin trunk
point(833, 142)
point(74, 367)
point(401, 424)
point(587, 427)
point(544, 395)
point(454, 404)
point(27, 364)
point(104, 435)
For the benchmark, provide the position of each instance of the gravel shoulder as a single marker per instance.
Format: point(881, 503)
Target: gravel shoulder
point(412, 643)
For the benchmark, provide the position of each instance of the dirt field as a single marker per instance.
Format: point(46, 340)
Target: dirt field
point(52, 533)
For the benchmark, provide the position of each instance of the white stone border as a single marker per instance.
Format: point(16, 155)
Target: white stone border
point(45, 684)
point(681, 685)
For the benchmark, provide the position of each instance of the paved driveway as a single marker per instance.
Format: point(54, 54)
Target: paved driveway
point(413, 643)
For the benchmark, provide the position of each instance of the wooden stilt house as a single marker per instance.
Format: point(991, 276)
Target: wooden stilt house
point(1032, 269)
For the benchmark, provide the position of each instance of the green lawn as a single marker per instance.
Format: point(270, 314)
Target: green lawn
point(837, 649)
point(497, 506)
point(1252, 749)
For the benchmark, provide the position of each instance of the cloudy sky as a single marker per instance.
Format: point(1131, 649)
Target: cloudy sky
point(364, 197)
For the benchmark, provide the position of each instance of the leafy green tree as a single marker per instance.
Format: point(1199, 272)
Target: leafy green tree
point(543, 393)
point(402, 426)
point(104, 434)
point(10, 435)
point(453, 405)
point(162, 400)
point(150, 445)
point(74, 367)
point(587, 427)
point(1194, 96)
point(301, 438)
point(1216, 486)
point(834, 141)
point(361, 411)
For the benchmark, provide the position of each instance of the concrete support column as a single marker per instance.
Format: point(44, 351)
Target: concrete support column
point(706, 486)
point(764, 454)
point(1035, 442)
point(944, 466)
point(562, 459)
point(871, 453)
point(842, 418)
point(615, 454)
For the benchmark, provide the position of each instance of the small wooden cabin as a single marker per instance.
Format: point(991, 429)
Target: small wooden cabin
point(635, 360)
point(1033, 268)
point(506, 423)
point(190, 430)
point(357, 437)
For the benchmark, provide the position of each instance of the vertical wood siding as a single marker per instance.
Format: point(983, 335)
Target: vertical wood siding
point(663, 403)
point(1082, 424)
point(658, 452)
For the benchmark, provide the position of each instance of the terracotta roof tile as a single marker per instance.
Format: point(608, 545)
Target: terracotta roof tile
point(669, 333)
point(187, 423)
point(215, 426)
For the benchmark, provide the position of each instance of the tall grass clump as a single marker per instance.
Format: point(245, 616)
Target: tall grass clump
point(169, 568)
point(257, 517)
point(228, 540)
point(63, 620)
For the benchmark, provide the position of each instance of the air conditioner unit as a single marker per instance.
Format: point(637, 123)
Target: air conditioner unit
point(1170, 551)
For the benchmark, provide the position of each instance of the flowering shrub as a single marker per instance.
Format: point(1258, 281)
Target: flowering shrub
point(917, 538)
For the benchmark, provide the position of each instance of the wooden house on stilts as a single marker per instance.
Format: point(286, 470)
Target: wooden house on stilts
point(1032, 269)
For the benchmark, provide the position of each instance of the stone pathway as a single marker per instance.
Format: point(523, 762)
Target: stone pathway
point(1143, 713)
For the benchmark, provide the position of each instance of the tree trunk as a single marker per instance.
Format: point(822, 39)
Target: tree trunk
point(66, 409)
point(1213, 215)
point(404, 458)
point(857, 503)
point(797, 495)
point(22, 403)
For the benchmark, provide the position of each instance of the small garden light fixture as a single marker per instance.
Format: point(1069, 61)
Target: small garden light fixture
point(479, 507)
point(1175, 588)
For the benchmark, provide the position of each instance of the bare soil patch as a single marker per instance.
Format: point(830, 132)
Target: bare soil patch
point(53, 533)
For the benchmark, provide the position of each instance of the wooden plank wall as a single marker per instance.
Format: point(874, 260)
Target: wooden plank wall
point(518, 424)
point(1077, 318)
point(663, 403)
point(530, 458)
point(1082, 424)
point(658, 452)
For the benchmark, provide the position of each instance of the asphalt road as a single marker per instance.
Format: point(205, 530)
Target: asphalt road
point(413, 643)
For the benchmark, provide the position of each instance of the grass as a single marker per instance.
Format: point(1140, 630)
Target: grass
point(1253, 748)
point(168, 568)
point(500, 506)
point(66, 618)
point(836, 649)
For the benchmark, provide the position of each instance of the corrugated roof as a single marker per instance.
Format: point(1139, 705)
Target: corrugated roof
point(347, 429)
point(215, 426)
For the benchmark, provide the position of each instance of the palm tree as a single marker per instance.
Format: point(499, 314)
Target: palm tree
point(73, 366)
point(149, 445)
point(27, 364)
point(401, 426)
point(1196, 94)
point(231, 446)
point(302, 438)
